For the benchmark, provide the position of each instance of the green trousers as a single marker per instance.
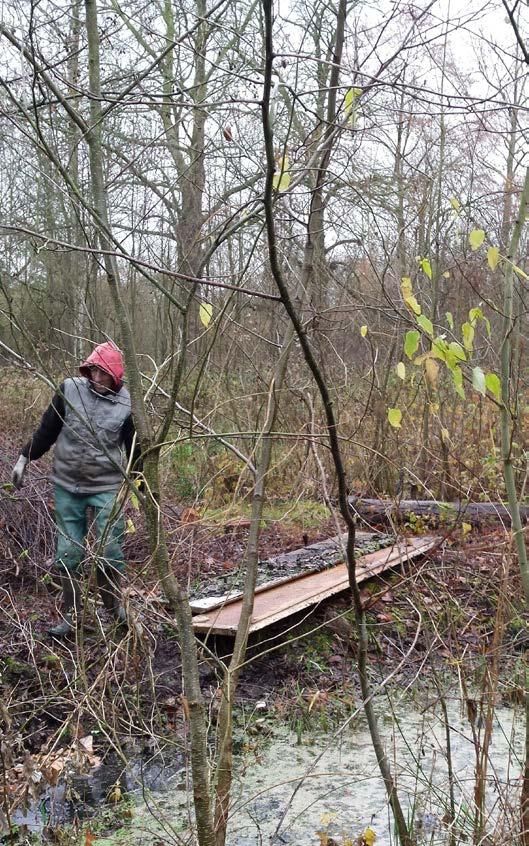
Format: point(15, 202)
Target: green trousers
point(72, 527)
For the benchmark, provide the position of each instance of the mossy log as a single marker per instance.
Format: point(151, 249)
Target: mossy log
point(388, 511)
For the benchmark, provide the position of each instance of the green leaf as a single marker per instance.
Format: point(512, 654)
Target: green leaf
point(134, 501)
point(394, 417)
point(401, 370)
point(450, 319)
point(493, 257)
point(457, 375)
point(131, 528)
point(411, 342)
point(475, 314)
point(426, 324)
point(439, 348)
point(426, 267)
point(478, 381)
point(281, 180)
point(457, 350)
point(468, 336)
point(350, 99)
point(205, 313)
point(363, 331)
point(492, 381)
point(476, 238)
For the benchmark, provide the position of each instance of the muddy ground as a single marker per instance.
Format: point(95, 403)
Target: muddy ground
point(443, 607)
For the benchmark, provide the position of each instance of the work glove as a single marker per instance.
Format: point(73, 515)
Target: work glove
point(17, 476)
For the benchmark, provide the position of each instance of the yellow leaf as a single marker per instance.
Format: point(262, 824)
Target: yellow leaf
point(476, 238)
point(456, 205)
point(412, 304)
point(394, 417)
point(466, 528)
point(493, 257)
point(434, 407)
point(406, 291)
point(115, 793)
point(282, 178)
point(326, 818)
point(131, 528)
point(369, 835)
point(350, 99)
point(468, 336)
point(521, 273)
point(445, 435)
point(406, 288)
point(446, 274)
point(134, 501)
point(431, 368)
point(314, 698)
point(205, 313)
point(401, 370)
point(363, 331)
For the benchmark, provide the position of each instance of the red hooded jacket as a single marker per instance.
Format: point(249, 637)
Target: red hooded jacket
point(108, 358)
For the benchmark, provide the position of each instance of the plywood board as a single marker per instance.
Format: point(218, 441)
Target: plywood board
point(279, 601)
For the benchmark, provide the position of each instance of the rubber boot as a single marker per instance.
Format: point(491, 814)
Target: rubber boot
point(71, 598)
point(109, 583)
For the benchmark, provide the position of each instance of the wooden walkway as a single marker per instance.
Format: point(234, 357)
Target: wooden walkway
point(276, 601)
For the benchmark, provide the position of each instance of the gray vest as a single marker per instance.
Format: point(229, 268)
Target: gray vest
point(88, 452)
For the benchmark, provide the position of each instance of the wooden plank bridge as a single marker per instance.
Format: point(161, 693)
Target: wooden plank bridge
point(278, 600)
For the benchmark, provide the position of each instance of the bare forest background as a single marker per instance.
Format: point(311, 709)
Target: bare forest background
point(427, 145)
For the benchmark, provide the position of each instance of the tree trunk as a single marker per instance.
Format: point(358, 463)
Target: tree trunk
point(195, 705)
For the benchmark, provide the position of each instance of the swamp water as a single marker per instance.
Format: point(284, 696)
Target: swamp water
point(342, 792)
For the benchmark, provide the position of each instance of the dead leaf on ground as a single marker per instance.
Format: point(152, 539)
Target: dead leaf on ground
point(87, 743)
point(189, 515)
point(385, 618)
point(115, 795)
point(365, 597)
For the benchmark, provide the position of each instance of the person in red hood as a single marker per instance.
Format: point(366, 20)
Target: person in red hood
point(90, 423)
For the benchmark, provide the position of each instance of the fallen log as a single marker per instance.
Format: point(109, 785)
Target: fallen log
point(448, 513)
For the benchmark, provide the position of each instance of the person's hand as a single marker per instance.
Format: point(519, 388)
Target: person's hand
point(17, 476)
